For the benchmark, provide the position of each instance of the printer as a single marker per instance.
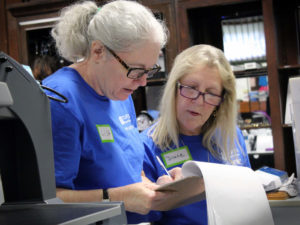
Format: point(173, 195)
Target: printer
point(26, 159)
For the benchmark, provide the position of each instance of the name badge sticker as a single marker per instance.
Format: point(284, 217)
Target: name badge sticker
point(105, 133)
point(176, 156)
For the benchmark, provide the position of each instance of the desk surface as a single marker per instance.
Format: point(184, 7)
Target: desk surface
point(288, 202)
point(50, 214)
point(286, 212)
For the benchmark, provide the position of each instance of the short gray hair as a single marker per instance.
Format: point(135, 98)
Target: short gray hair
point(121, 25)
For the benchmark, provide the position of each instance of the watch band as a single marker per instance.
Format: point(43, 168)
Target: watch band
point(105, 196)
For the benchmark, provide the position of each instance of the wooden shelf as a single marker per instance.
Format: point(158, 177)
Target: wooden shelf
point(251, 73)
point(155, 82)
point(33, 8)
point(286, 126)
point(261, 153)
point(290, 70)
point(289, 67)
point(246, 107)
point(255, 126)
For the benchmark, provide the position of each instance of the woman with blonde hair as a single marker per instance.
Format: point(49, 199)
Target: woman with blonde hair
point(197, 121)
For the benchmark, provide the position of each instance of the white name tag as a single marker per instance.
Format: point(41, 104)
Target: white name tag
point(105, 133)
point(176, 156)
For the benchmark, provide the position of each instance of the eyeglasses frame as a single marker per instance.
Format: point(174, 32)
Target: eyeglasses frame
point(180, 86)
point(129, 69)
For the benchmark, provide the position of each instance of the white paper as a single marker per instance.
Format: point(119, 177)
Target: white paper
point(295, 108)
point(242, 89)
point(288, 105)
point(269, 181)
point(264, 142)
point(234, 194)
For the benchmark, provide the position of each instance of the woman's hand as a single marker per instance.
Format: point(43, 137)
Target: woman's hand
point(139, 197)
point(175, 175)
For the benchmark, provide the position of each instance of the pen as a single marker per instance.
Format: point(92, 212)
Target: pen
point(162, 165)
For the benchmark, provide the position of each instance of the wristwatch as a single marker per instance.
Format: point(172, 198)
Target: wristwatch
point(105, 196)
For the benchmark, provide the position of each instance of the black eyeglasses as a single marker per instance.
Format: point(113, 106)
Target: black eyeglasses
point(192, 93)
point(135, 73)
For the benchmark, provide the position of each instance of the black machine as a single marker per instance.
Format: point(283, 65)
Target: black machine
point(26, 158)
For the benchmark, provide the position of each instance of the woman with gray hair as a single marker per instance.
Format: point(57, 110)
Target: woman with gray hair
point(197, 122)
point(113, 50)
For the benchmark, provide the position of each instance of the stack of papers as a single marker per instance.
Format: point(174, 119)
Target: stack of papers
point(271, 178)
point(234, 194)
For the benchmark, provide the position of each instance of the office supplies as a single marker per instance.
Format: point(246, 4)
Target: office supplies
point(288, 189)
point(271, 178)
point(162, 165)
point(280, 173)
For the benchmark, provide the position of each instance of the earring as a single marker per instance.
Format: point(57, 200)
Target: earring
point(214, 114)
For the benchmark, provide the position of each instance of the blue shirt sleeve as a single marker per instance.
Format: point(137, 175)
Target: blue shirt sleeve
point(66, 143)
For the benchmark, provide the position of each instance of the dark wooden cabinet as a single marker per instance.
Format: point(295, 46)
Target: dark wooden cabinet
point(3, 28)
point(199, 23)
point(166, 9)
point(190, 22)
point(281, 30)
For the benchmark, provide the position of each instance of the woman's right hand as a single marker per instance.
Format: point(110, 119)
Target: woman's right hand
point(139, 197)
point(175, 175)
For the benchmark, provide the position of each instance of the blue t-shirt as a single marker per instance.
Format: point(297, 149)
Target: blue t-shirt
point(96, 141)
point(189, 147)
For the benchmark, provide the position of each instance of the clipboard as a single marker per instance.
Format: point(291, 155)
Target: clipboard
point(185, 191)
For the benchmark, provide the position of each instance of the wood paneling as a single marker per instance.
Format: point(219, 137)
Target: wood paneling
point(3, 27)
point(167, 9)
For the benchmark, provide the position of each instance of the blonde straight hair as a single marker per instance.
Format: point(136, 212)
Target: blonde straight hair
point(219, 132)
